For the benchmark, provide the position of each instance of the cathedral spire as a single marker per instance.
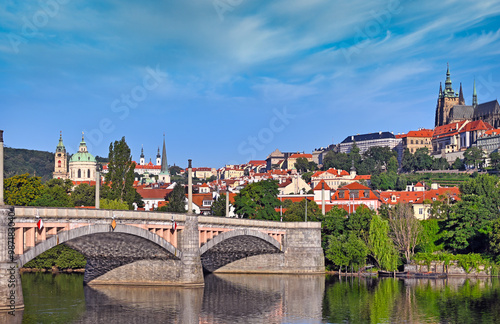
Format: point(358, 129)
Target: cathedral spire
point(440, 89)
point(142, 151)
point(461, 100)
point(164, 165)
point(60, 146)
point(448, 78)
point(474, 95)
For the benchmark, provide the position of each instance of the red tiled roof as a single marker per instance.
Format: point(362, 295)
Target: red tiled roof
point(418, 196)
point(295, 198)
point(319, 186)
point(491, 132)
point(476, 125)
point(149, 193)
point(257, 162)
point(363, 177)
point(419, 133)
point(448, 129)
point(296, 156)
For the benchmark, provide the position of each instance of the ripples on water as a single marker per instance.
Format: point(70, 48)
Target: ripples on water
point(263, 299)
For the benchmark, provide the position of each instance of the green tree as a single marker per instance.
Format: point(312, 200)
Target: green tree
point(458, 164)
point(120, 176)
point(392, 165)
point(83, 195)
point(295, 212)
point(422, 159)
point(113, 204)
point(381, 245)
point(21, 190)
point(347, 250)
point(495, 160)
point(473, 156)
point(174, 170)
point(408, 162)
point(219, 206)
point(405, 229)
point(440, 164)
point(431, 236)
point(55, 193)
point(176, 200)
point(359, 222)
point(302, 165)
point(258, 200)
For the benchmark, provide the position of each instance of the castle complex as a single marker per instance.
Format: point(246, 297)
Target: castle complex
point(451, 107)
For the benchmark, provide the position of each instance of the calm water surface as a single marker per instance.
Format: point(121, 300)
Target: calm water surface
point(263, 299)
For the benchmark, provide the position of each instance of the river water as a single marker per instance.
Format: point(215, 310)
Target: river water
point(263, 299)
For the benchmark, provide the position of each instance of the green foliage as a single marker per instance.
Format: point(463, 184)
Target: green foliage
point(405, 229)
point(120, 176)
point(306, 176)
point(60, 256)
point(113, 204)
point(302, 165)
point(296, 212)
point(83, 195)
point(258, 200)
point(174, 170)
point(473, 156)
point(347, 250)
point(176, 200)
point(458, 164)
point(430, 236)
point(381, 245)
point(55, 193)
point(495, 160)
point(219, 206)
point(21, 190)
point(21, 161)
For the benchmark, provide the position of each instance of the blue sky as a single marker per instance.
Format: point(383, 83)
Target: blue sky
point(231, 80)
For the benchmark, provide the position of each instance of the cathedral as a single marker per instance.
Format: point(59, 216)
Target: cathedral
point(451, 106)
point(82, 165)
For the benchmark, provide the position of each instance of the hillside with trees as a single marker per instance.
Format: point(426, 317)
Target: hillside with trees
point(21, 161)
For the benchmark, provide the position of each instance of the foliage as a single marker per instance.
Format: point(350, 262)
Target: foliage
point(219, 206)
point(60, 256)
point(55, 193)
point(381, 245)
point(295, 212)
point(21, 190)
point(176, 200)
point(83, 195)
point(113, 204)
point(21, 161)
point(458, 164)
point(120, 176)
point(347, 250)
point(495, 160)
point(258, 200)
point(430, 237)
point(405, 229)
point(306, 176)
point(473, 156)
point(174, 170)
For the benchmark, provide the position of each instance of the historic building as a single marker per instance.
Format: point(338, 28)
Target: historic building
point(61, 161)
point(82, 165)
point(365, 141)
point(451, 107)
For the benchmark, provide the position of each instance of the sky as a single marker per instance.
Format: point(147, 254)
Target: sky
point(228, 81)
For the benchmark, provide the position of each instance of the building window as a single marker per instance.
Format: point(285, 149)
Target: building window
point(411, 141)
point(420, 211)
point(59, 163)
point(79, 173)
point(88, 173)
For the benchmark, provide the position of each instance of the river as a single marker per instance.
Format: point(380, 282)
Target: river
point(247, 298)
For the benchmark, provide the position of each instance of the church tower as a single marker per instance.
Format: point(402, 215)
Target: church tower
point(164, 175)
point(61, 161)
point(446, 100)
point(142, 161)
point(474, 95)
point(158, 157)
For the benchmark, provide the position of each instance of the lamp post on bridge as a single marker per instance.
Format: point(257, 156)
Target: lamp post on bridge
point(98, 170)
point(190, 187)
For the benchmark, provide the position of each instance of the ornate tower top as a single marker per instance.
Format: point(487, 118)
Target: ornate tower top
point(60, 147)
point(461, 99)
point(474, 94)
point(158, 154)
point(142, 151)
point(448, 90)
point(164, 164)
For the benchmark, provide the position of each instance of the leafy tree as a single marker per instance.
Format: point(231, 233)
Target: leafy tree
point(113, 204)
point(174, 170)
point(301, 164)
point(55, 193)
point(408, 162)
point(422, 159)
point(347, 250)
point(176, 200)
point(440, 164)
point(296, 211)
point(458, 164)
point(392, 165)
point(466, 228)
point(495, 160)
point(381, 245)
point(494, 238)
point(336, 160)
point(83, 195)
point(312, 166)
point(405, 229)
point(307, 176)
point(21, 190)
point(258, 200)
point(60, 256)
point(359, 222)
point(430, 237)
point(486, 186)
point(219, 206)
point(21, 161)
point(120, 176)
point(473, 156)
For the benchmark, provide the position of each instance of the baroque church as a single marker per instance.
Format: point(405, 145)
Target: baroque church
point(451, 106)
point(82, 165)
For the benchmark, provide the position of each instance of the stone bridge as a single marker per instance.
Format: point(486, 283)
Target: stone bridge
point(148, 248)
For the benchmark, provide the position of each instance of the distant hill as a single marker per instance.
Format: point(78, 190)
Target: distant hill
point(20, 161)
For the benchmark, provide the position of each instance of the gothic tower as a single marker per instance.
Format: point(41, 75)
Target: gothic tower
point(164, 175)
point(142, 161)
point(61, 161)
point(446, 100)
point(158, 157)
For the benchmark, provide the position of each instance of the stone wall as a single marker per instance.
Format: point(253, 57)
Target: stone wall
point(453, 269)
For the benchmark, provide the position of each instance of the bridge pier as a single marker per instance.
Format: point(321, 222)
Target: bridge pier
point(11, 292)
point(183, 271)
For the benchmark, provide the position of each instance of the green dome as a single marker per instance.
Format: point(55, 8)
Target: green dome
point(82, 157)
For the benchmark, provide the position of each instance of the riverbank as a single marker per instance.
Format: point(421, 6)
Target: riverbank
point(53, 270)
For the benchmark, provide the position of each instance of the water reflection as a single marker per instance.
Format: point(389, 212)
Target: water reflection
point(264, 299)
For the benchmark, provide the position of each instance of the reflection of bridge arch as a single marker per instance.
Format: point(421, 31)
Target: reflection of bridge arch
point(234, 245)
point(88, 237)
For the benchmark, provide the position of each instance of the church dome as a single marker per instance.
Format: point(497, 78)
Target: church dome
point(83, 154)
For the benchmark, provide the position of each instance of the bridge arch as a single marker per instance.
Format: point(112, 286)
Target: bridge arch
point(231, 246)
point(96, 230)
